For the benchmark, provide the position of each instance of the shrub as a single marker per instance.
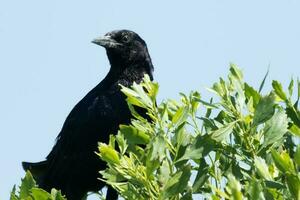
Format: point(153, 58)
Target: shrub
point(242, 146)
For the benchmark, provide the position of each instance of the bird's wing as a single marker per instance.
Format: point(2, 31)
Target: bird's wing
point(91, 120)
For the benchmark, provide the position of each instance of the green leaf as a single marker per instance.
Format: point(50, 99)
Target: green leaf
point(156, 154)
point(27, 184)
point(122, 143)
point(187, 196)
point(291, 87)
point(283, 161)
point(151, 87)
point(181, 136)
point(164, 172)
point(143, 96)
point(207, 104)
point(134, 135)
point(295, 130)
point(108, 154)
point(56, 195)
point(275, 184)
point(293, 183)
point(262, 168)
point(158, 148)
point(177, 183)
point(264, 110)
point(220, 134)
point(240, 97)
point(201, 146)
point(297, 156)
point(256, 191)
point(275, 128)
point(263, 81)
point(278, 90)
point(293, 113)
point(220, 88)
point(194, 99)
point(236, 72)
point(39, 194)
point(134, 101)
point(137, 95)
point(201, 177)
point(234, 188)
point(13, 195)
point(251, 92)
point(180, 116)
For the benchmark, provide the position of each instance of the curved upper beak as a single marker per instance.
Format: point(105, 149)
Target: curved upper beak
point(106, 42)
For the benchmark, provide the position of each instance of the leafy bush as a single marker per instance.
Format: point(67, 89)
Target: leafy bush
point(243, 146)
point(240, 147)
point(30, 191)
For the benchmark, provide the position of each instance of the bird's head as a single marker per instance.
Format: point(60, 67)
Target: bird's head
point(125, 48)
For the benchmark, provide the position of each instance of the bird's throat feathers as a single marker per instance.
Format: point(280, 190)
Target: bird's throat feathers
point(135, 70)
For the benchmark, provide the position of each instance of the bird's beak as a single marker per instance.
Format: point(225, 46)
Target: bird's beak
point(106, 42)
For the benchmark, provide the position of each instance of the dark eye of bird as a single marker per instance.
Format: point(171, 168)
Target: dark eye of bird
point(125, 38)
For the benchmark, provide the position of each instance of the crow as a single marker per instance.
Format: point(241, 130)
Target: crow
point(72, 165)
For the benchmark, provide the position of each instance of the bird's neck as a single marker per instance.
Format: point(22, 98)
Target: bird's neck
point(126, 75)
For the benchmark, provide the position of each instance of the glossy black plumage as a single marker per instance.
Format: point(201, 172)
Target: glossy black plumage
point(72, 165)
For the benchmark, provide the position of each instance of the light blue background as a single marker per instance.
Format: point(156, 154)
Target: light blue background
point(48, 64)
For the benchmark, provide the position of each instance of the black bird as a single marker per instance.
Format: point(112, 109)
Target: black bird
point(72, 165)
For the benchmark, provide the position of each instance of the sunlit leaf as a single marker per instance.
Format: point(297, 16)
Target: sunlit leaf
point(122, 143)
point(295, 130)
point(283, 162)
point(27, 184)
point(180, 116)
point(39, 194)
point(56, 195)
point(108, 154)
point(278, 90)
point(133, 135)
point(234, 188)
point(262, 168)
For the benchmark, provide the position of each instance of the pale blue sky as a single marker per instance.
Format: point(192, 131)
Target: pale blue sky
point(48, 63)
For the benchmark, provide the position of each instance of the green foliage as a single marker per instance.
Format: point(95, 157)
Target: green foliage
point(242, 146)
point(29, 191)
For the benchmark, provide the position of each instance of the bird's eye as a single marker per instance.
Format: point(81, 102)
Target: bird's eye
point(125, 38)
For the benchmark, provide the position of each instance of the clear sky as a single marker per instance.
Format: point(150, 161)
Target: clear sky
point(48, 62)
